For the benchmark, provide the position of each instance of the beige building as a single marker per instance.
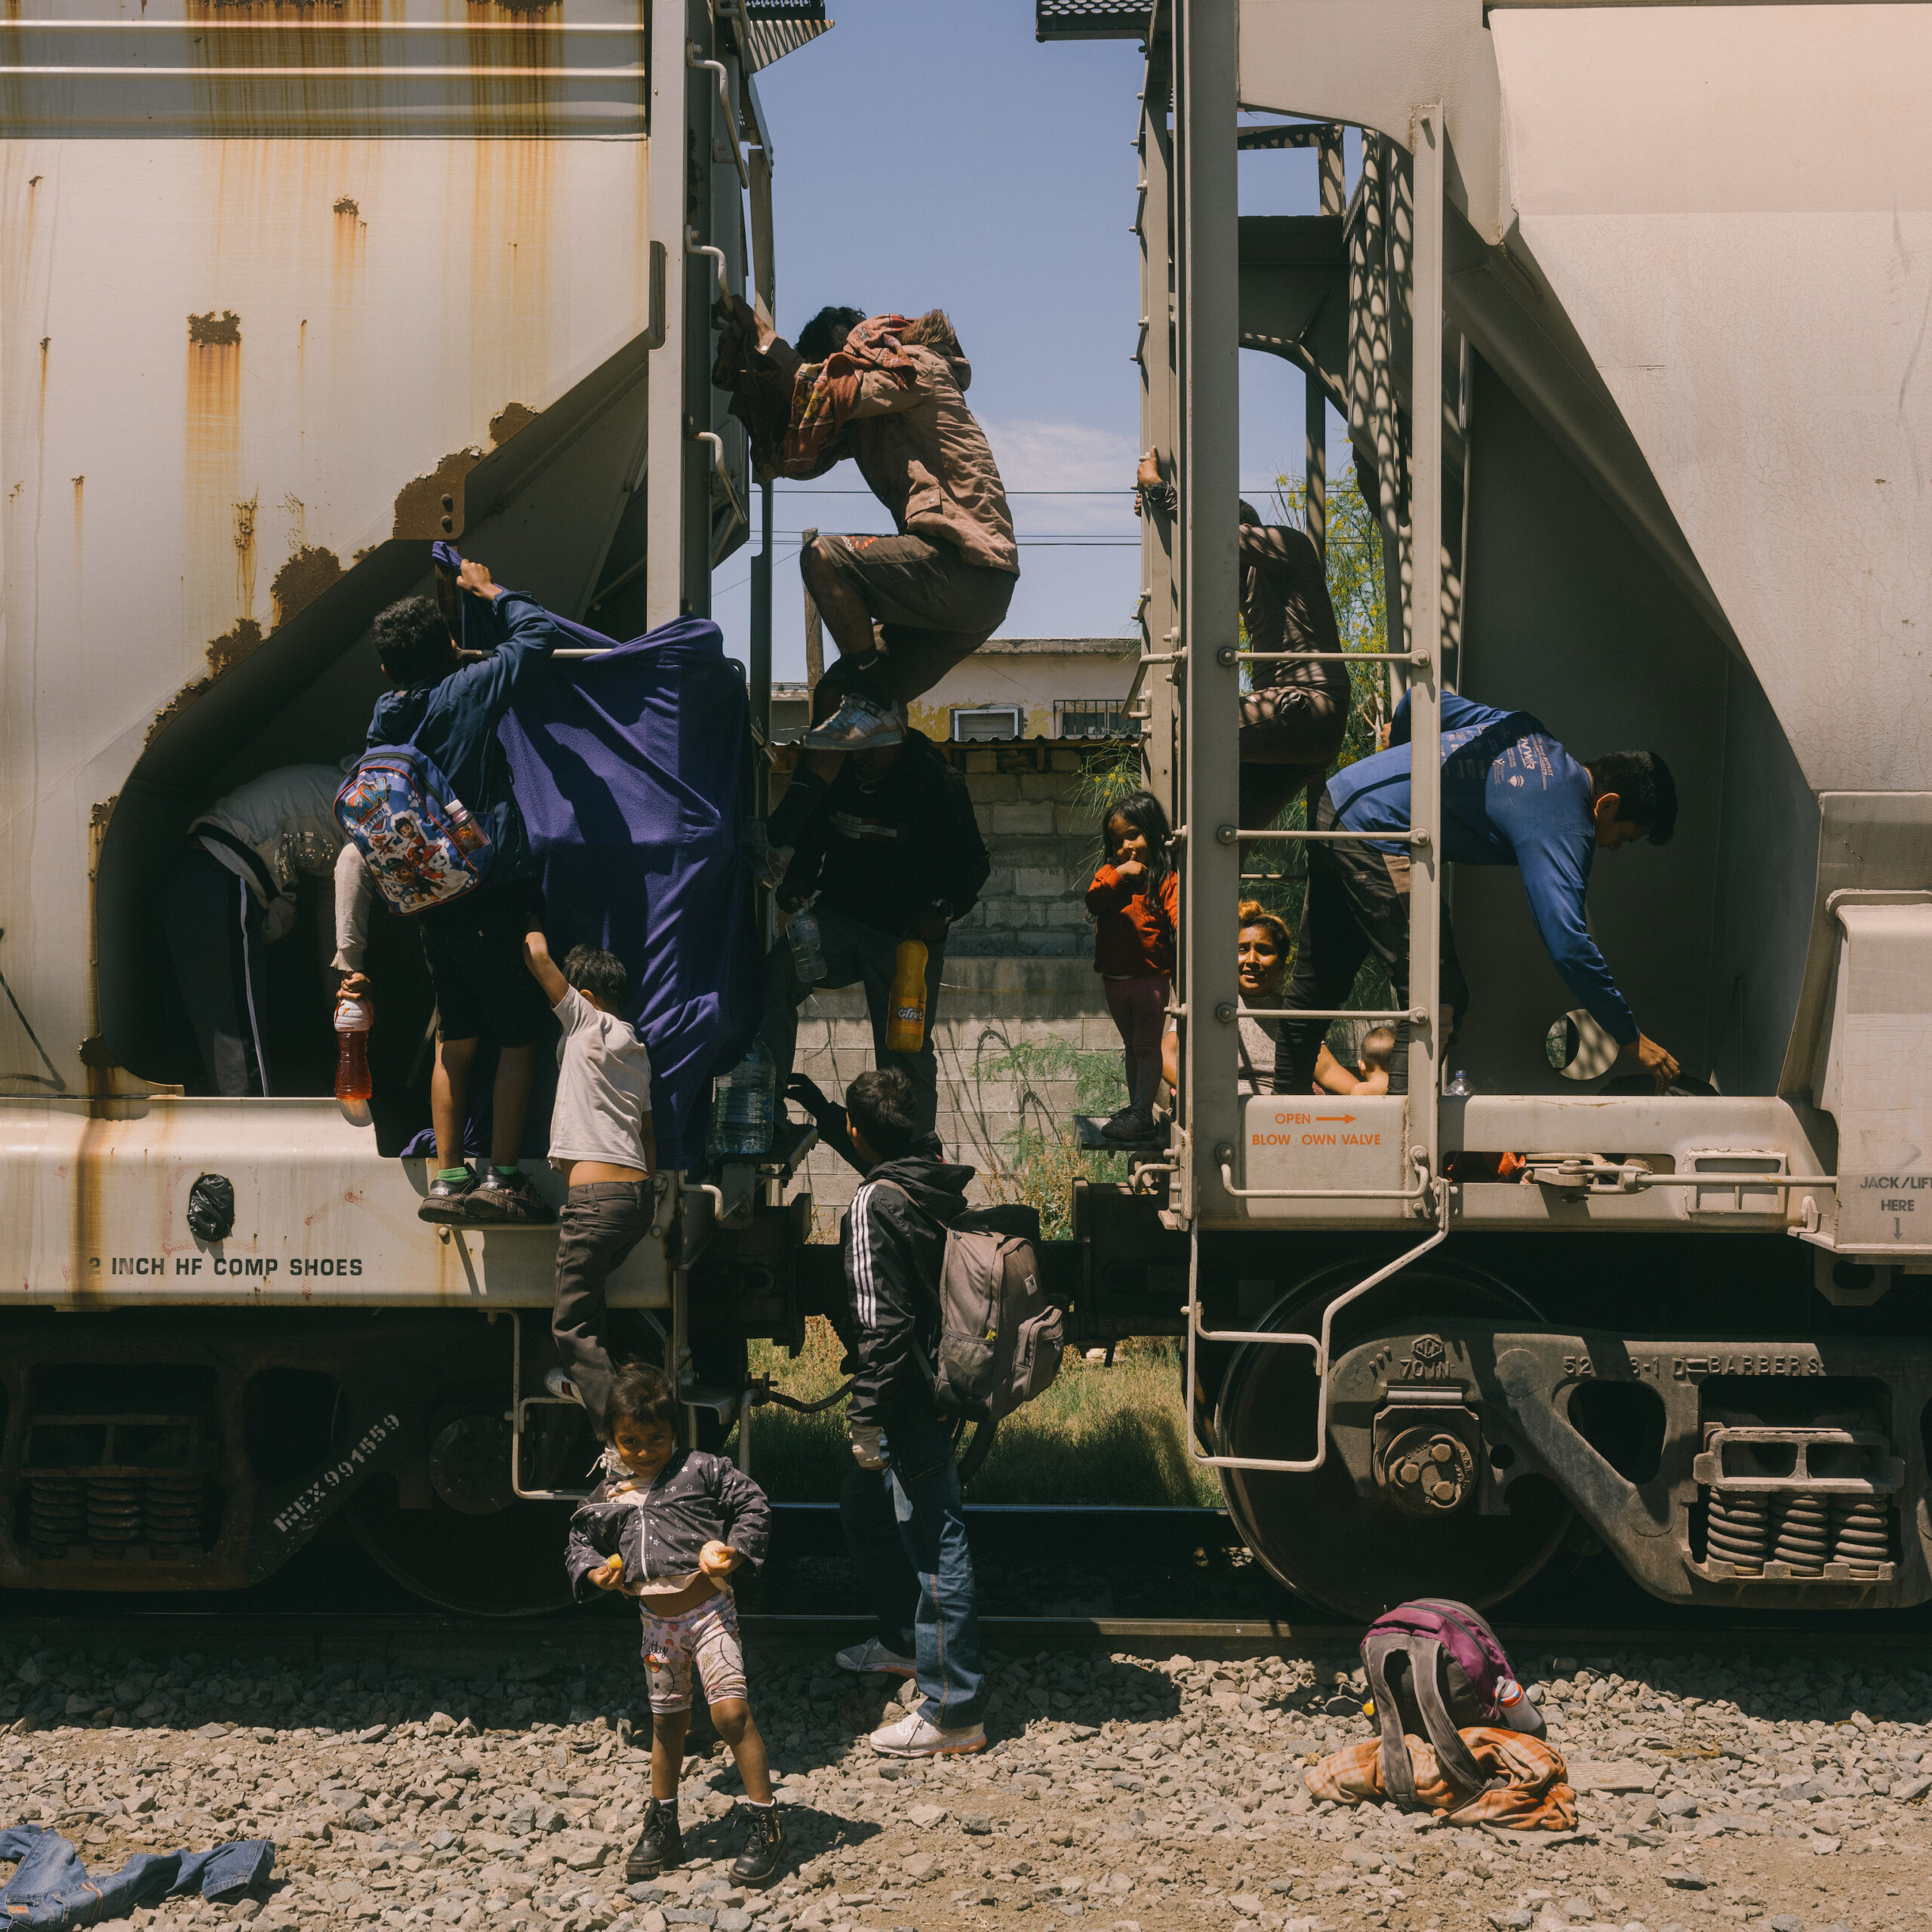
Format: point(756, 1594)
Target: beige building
point(1065, 690)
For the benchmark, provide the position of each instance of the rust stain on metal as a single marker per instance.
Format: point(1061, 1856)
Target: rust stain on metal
point(229, 651)
point(220, 570)
point(347, 204)
point(507, 421)
point(86, 1186)
point(244, 554)
point(224, 654)
point(418, 505)
point(99, 818)
point(214, 331)
point(302, 579)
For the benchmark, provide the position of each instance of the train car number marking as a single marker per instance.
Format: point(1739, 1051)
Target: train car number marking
point(336, 1474)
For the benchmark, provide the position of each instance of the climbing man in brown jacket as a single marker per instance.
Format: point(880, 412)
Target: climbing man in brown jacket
point(889, 392)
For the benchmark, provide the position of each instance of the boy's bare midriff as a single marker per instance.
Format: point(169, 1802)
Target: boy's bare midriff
point(582, 1173)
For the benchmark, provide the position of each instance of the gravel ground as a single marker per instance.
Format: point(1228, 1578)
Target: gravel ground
point(1120, 1793)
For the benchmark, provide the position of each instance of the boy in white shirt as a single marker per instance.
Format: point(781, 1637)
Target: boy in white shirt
point(601, 1141)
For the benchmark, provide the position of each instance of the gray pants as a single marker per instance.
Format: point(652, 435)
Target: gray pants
point(855, 955)
point(214, 935)
point(602, 1221)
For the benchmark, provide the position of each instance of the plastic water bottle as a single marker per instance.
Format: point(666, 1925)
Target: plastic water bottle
point(354, 1017)
point(1458, 1086)
point(742, 1105)
point(807, 954)
point(906, 1005)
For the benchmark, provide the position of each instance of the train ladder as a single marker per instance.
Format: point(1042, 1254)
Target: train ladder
point(1207, 659)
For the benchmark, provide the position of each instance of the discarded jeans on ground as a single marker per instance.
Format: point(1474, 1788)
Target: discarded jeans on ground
point(1534, 1795)
point(50, 1890)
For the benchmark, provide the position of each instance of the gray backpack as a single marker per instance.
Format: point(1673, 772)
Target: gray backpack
point(999, 1339)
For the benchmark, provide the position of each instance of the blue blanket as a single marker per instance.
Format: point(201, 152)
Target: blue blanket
point(633, 772)
point(50, 1890)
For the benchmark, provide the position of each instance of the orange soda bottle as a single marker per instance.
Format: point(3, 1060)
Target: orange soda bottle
point(906, 1006)
point(353, 1018)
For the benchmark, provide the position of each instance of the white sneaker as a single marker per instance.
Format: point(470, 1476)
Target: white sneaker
point(912, 1736)
point(872, 1657)
point(858, 725)
point(561, 1386)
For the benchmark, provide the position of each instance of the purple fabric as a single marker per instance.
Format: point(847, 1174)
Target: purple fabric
point(633, 774)
point(1465, 1636)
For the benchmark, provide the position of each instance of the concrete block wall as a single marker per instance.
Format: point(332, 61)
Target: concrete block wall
point(987, 1006)
point(1044, 844)
point(1019, 967)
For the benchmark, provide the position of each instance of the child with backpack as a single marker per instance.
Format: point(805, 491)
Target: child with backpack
point(445, 708)
point(901, 1511)
point(668, 1526)
point(1135, 899)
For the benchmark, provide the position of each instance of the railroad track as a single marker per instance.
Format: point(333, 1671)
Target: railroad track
point(1155, 1580)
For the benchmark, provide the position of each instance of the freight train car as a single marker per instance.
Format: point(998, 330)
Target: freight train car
point(1634, 377)
point(290, 294)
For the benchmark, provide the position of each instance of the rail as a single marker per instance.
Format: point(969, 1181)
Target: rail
point(694, 59)
point(693, 246)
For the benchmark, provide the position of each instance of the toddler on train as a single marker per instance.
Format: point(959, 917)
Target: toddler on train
point(1135, 899)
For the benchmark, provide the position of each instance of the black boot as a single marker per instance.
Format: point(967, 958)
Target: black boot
point(761, 1856)
point(659, 1845)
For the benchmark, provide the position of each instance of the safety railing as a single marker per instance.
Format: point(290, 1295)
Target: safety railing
point(1322, 1344)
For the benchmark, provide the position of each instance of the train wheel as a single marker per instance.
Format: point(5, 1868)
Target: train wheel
point(1361, 1555)
point(475, 1547)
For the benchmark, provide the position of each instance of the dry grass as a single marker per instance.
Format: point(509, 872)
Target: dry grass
point(1098, 1435)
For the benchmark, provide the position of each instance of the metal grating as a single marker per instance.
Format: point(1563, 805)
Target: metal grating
point(1091, 19)
point(773, 28)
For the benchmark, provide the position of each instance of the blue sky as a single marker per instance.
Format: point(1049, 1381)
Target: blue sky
point(932, 154)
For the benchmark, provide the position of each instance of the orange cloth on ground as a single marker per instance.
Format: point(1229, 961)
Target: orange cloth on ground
point(1535, 1798)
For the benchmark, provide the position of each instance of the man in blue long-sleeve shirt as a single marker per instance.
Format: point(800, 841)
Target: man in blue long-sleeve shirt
point(450, 709)
point(1511, 796)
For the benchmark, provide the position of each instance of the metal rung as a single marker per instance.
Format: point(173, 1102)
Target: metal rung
point(1227, 835)
point(1327, 657)
point(1415, 1016)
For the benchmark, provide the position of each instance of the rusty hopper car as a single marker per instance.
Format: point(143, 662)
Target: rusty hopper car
point(290, 292)
point(1639, 386)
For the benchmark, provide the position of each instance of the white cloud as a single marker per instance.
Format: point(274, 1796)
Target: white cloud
point(1035, 455)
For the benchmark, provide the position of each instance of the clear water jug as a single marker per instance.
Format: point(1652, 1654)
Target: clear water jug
point(743, 1102)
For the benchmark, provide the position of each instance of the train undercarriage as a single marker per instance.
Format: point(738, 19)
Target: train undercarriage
point(1499, 1399)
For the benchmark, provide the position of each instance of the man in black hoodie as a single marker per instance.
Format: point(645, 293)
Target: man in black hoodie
point(891, 848)
point(903, 1522)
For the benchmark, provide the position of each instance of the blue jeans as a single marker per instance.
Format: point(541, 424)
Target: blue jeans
point(905, 1529)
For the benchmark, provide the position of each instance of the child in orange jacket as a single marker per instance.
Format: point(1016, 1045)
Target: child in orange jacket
point(1135, 899)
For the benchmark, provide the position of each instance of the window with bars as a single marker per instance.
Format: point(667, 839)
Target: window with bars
point(979, 722)
point(1095, 717)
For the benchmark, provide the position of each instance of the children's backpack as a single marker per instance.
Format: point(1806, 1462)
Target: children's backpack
point(999, 1339)
point(1434, 1668)
point(422, 845)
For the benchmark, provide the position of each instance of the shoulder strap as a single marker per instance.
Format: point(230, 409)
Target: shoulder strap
point(1429, 1658)
point(1398, 1773)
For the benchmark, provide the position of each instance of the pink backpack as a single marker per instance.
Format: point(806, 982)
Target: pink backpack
point(1435, 1668)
